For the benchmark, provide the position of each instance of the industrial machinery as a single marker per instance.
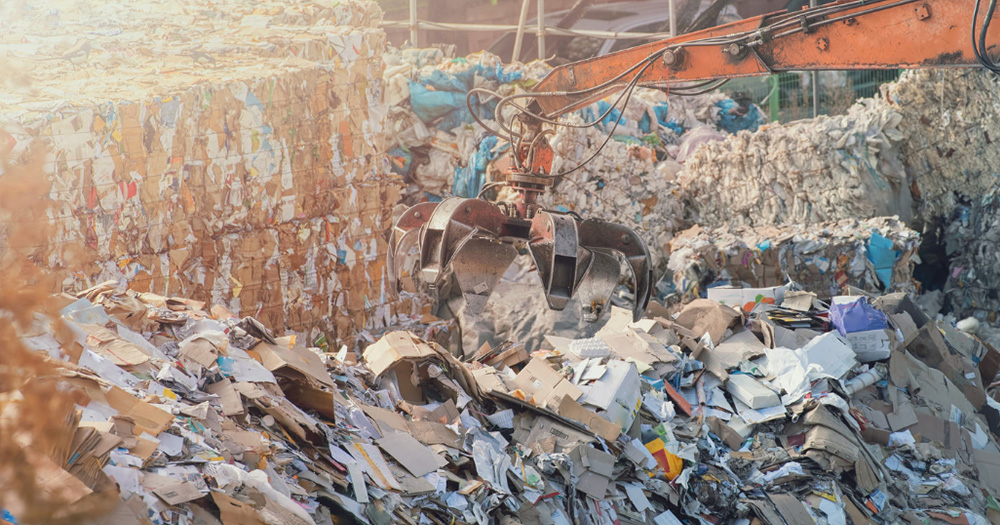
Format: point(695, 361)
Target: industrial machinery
point(478, 239)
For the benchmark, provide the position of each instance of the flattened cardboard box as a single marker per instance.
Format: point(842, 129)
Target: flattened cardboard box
point(544, 384)
point(147, 418)
point(393, 348)
point(570, 409)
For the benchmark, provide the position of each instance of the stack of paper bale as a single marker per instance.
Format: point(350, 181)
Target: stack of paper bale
point(872, 255)
point(925, 151)
point(233, 153)
point(914, 152)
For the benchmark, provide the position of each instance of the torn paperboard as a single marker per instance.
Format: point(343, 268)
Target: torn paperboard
point(284, 354)
point(108, 345)
point(544, 384)
point(229, 399)
point(235, 512)
point(569, 408)
point(703, 316)
point(415, 457)
point(371, 460)
point(594, 469)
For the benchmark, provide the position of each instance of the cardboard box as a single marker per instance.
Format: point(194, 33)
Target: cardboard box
point(547, 434)
point(616, 393)
point(394, 347)
point(284, 354)
point(751, 392)
point(508, 358)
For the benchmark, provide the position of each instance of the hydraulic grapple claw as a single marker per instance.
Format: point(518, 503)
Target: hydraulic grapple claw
point(597, 286)
point(609, 237)
point(455, 222)
point(555, 250)
point(477, 240)
point(403, 244)
point(478, 267)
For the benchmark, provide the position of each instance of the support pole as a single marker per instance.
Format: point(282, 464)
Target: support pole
point(673, 19)
point(541, 30)
point(815, 79)
point(413, 23)
point(774, 99)
point(521, 21)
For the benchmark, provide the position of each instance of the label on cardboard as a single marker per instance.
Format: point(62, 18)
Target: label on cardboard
point(746, 298)
point(870, 345)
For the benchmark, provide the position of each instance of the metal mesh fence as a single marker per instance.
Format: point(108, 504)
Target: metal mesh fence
point(788, 96)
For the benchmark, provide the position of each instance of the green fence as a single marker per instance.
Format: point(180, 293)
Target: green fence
point(788, 96)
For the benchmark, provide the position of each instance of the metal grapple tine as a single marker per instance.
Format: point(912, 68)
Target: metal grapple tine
point(555, 250)
point(405, 260)
point(403, 238)
point(478, 266)
point(598, 284)
point(595, 233)
point(454, 222)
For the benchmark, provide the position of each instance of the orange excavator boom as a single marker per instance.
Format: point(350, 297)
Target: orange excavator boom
point(858, 34)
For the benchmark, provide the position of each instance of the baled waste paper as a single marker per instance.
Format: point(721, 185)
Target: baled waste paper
point(916, 151)
point(971, 241)
point(873, 254)
point(232, 152)
point(923, 150)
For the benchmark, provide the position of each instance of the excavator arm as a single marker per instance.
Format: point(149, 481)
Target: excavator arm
point(476, 239)
point(859, 34)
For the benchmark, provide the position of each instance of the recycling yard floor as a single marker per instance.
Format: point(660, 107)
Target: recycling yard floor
point(199, 329)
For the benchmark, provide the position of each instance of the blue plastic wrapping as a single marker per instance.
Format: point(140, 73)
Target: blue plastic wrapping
point(609, 120)
point(732, 118)
point(440, 95)
point(400, 161)
point(469, 179)
point(662, 112)
point(430, 105)
point(857, 316)
point(883, 257)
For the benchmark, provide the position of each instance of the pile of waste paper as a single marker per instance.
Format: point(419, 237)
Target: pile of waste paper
point(924, 150)
point(972, 241)
point(915, 151)
point(779, 408)
point(873, 255)
point(440, 150)
point(812, 170)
